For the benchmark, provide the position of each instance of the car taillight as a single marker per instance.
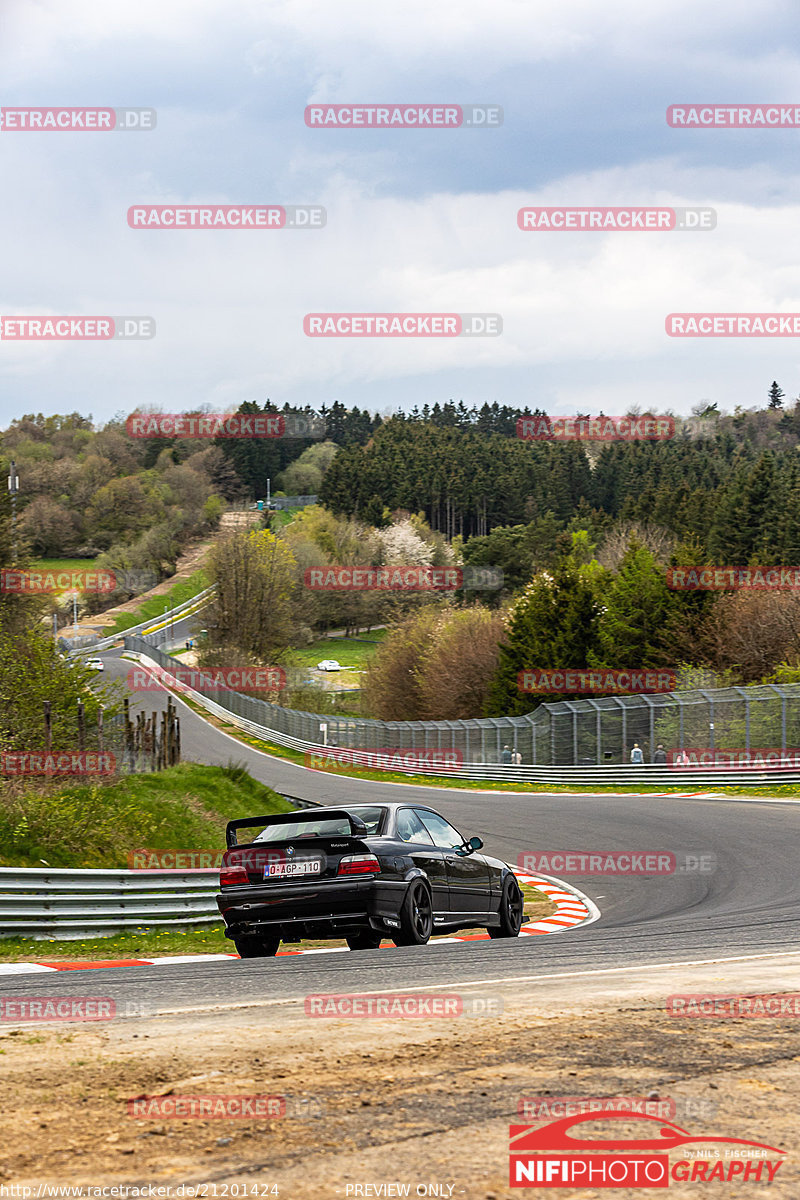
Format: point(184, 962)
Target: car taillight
point(232, 876)
point(358, 864)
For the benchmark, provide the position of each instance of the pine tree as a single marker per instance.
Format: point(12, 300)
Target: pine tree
point(776, 396)
point(553, 625)
point(637, 607)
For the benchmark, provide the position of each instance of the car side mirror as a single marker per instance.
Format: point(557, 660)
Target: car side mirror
point(469, 847)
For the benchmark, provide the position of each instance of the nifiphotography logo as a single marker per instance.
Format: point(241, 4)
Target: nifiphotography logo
point(576, 1151)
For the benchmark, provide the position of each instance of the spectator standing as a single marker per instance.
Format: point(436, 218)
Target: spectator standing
point(660, 755)
point(516, 758)
point(505, 757)
point(636, 754)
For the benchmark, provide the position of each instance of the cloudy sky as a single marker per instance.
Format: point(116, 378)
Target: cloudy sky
point(417, 220)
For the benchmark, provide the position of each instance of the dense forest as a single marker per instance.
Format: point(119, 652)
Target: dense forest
point(582, 531)
point(732, 483)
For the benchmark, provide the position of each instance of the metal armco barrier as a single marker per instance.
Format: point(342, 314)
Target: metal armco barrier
point(234, 705)
point(154, 623)
point(70, 904)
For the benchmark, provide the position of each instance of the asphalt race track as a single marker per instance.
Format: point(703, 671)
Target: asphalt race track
point(749, 905)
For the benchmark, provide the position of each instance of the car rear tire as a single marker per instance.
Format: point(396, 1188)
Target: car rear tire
point(416, 916)
point(257, 947)
point(511, 904)
point(368, 939)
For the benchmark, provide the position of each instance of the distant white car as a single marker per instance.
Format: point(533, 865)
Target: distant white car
point(95, 664)
point(329, 664)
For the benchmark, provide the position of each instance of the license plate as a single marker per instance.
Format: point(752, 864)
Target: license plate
point(306, 866)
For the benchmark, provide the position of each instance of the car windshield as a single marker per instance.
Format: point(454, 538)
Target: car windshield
point(292, 829)
point(289, 830)
point(372, 815)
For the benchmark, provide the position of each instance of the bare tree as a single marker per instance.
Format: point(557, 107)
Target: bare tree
point(660, 542)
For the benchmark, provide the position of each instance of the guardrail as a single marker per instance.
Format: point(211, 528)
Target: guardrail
point(70, 904)
point(624, 774)
point(150, 626)
point(60, 902)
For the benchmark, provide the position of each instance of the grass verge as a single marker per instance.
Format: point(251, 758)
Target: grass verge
point(98, 824)
point(152, 609)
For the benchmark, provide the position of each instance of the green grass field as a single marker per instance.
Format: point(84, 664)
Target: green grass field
point(350, 652)
point(62, 564)
point(282, 517)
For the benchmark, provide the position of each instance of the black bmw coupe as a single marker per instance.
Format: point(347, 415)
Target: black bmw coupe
point(362, 872)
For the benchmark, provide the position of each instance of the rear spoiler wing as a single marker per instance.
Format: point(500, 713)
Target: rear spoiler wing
point(357, 826)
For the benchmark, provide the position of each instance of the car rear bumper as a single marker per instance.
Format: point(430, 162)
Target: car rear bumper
point(328, 908)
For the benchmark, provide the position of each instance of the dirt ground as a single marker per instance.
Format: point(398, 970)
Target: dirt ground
point(376, 1102)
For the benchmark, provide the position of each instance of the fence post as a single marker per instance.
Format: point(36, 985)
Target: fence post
point(153, 742)
point(100, 737)
point(48, 728)
point(81, 727)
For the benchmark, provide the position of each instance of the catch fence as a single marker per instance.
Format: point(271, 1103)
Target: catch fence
point(581, 733)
